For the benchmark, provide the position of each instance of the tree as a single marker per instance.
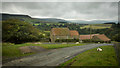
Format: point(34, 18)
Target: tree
point(16, 31)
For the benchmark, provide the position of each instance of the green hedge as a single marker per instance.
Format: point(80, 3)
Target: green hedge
point(95, 41)
point(67, 40)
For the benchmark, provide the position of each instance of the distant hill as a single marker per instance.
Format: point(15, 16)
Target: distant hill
point(29, 19)
point(53, 20)
point(9, 16)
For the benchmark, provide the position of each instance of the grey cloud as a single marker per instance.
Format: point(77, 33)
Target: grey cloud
point(60, 0)
point(67, 10)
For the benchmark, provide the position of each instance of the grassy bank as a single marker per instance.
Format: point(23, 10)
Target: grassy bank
point(11, 50)
point(94, 58)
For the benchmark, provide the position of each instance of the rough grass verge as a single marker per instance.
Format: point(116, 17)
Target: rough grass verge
point(94, 58)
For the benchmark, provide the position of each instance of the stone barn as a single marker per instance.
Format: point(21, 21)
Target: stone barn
point(63, 33)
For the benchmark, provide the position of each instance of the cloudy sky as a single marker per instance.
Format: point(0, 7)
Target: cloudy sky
point(64, 10)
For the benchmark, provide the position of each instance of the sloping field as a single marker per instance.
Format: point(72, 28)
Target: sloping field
point(97, 26)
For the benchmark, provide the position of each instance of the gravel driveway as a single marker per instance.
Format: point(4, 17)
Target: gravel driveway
point(53, 57)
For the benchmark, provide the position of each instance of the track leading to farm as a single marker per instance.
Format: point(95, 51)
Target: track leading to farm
point(52, 57)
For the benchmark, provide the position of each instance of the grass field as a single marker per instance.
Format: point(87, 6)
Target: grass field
point(97, 26)
point(11, 50)
point(94, 58)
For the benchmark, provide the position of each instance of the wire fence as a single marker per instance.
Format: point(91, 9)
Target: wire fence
point(117, 50)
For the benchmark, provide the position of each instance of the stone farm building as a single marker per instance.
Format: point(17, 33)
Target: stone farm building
point(95, 37)
point(63, 33)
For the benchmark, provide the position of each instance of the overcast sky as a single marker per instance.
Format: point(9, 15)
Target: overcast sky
point(64, 10)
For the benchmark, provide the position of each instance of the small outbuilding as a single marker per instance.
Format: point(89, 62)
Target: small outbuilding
point(95, 37)
point(86, 37)
point(101, 37)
